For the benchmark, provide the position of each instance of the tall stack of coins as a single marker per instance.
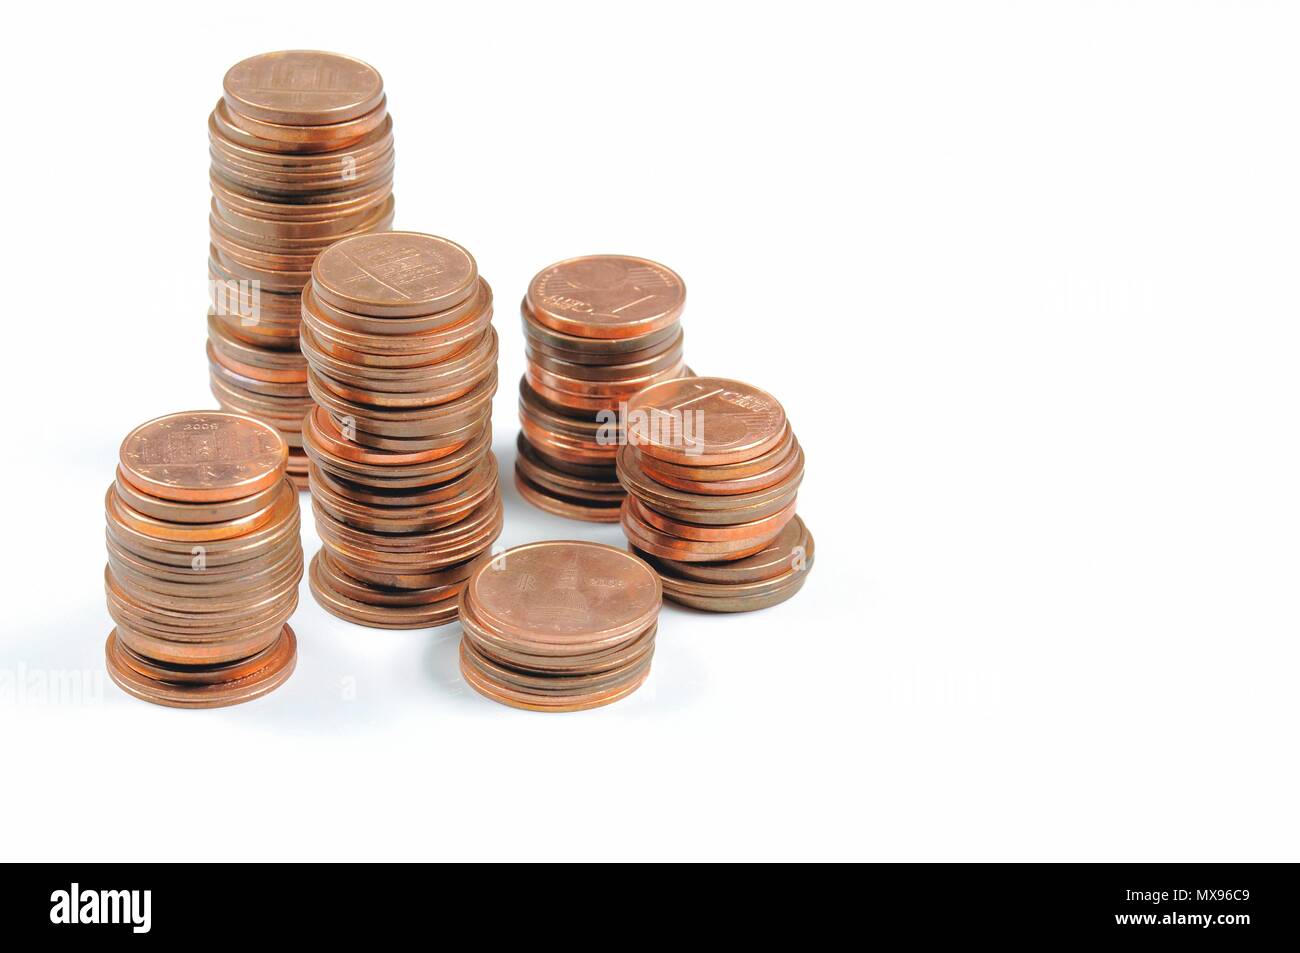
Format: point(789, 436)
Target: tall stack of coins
point(598, 330)
point(204, 561)
point(302, 156)
point(559, 625)
point(401, 352)
point(712, 469)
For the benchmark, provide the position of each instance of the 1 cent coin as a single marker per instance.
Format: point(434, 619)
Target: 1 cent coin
point(203, 457)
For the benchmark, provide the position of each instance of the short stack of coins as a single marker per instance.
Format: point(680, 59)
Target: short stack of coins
point(598, 330)
point(401, 352)
point(302, 156)
point(559, 625)
point(204, 560)
point(712, 470)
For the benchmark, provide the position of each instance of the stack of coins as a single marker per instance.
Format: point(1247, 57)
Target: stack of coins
point(302, 155)
point(204, 561)
point(401, 352)
point(598, 330)
point(712, 469)
point(559, 625)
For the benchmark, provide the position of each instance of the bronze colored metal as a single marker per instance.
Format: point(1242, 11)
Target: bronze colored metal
point(606, 296)
point(302, 156)
point(303, 87)
point(565, 505)
point(566, 592)
point(702, 508)
point(394, 274)
point(665, 545)
point(175, 512)
point(396, 330)
point(599, 329)
point(183, 691)
point(558, 626)
point(202, 456)
point(203, 561)
point(741, 601)
point(334, 136)
point(791, 549)
point(377, 616)
point(763, 527)
point(704, 421)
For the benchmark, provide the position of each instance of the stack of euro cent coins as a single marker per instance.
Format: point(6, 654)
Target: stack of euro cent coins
point(402, 365)
point(204, 560)
point(559, 625)
point(302, 156)
point(598, 329)
point(712, 470)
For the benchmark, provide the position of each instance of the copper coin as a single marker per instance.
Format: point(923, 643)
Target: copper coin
point(766, 526)
point(727, 472)
point(177, 512)
point(606, 296)
point(502, 672)
point(536, 702)
point(326, 434)
point(359, 591)
point(593, 349)
point(383, 577)
point(533, 466)
point(792, 548)
point(190, 532)
point(747, 592)
point(394, 274)
point(700, 508)
point(187, 694)
point(704, 421)
point(658, 543)
point(302, 87)
point(334, 136)
point(202, 456)
point(380, 617)
point(792, 464)
point(618, 388)
point(567, 506)
point(566, 592)
point(397, 332)
point(740, 602)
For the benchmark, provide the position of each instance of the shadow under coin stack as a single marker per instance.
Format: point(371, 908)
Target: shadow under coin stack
point(397, 332)
point(204, 560)
point(712, 470)
point(598, 330)
point(559, 625)
point(302, 156)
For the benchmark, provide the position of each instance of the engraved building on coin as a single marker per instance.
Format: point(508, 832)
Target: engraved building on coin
point(204, 561)
point(598, 329)
point(302, 156)
point(402, 365)
point(712, 469)
point(559, 625)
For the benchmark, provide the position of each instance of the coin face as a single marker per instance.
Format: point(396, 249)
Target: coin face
point(394, 274)
point(606, 296)
point(203, 456)
point(303, 87)
point(704, 421)
point(566, 591)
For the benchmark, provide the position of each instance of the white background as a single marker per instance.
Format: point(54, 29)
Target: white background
point(1023, 276)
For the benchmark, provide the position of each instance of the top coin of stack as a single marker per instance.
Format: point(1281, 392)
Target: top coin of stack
point(204, 561)
point(397, 332)
point(712, 469)
point(302, 156)
point(598, 329)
